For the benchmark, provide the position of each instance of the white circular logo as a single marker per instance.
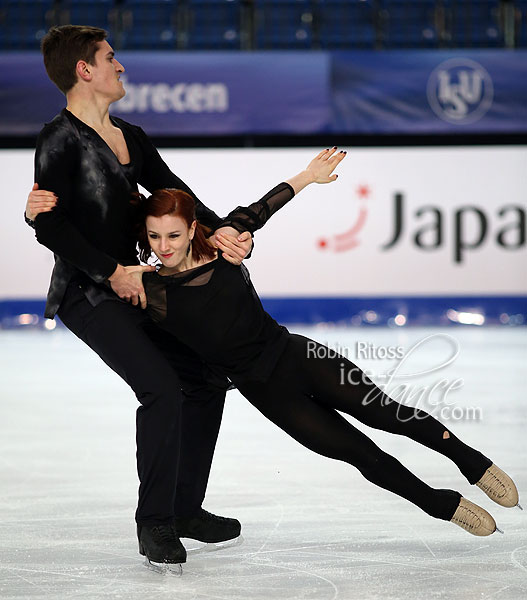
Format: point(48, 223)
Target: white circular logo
point(460, 91)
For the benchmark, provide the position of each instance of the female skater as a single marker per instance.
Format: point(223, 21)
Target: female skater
point(210, 305)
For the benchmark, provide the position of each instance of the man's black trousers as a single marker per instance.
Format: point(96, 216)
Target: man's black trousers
point(176, 429)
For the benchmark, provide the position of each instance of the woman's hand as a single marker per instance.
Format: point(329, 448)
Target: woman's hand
point(39, 201)
point(319, 170)
point(323, 165)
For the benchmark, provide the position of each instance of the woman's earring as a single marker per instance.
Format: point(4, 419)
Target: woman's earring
point(189, 246)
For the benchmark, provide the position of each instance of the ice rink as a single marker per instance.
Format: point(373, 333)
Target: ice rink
point(313, 528)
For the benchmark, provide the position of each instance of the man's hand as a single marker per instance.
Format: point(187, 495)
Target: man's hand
point(235, 246)
point(127, 283)
point(39, 201)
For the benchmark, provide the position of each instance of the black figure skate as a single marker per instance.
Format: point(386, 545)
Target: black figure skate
point(163, 551)
point(216, 532)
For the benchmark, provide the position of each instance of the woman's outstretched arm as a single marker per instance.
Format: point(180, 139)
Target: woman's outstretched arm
point(253, 217)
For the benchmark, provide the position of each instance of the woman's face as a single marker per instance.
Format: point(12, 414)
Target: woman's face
point(169, 237)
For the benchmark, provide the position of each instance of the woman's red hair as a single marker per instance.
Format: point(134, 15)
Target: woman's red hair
point(170, 202)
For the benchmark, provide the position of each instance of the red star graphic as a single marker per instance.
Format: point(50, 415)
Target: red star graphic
point(322, 243)
point(363, 191)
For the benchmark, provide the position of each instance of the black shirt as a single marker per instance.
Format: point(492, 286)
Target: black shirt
point(91, 229)
point(215, 310)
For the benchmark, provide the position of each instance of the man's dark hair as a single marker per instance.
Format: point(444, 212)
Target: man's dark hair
point(64, 46)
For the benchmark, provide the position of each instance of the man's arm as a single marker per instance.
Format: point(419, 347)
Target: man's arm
point(156, 175)
point(54, 168)
point(234, 245)
point(48, 212)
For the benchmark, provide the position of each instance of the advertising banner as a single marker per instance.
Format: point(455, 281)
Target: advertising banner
point(442, 92)
point(398, 222)
point(292, 93)
point(192, 93)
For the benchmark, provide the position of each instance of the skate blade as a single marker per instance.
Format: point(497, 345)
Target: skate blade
point(171, 569)
point(215, 546)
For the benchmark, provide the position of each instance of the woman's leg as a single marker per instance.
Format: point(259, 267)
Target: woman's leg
point(339, 383)
point(286, 399)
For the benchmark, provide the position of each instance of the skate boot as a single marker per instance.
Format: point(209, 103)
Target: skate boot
point(474, 519)
point(209, 528)
point(499, 487)
point(162, 549)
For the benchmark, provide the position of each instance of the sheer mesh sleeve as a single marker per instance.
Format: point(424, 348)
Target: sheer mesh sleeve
point(253, 217)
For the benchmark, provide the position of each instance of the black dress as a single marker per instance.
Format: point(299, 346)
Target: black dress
point(215, 310)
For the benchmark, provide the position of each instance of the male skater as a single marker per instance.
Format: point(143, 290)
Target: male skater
point(90, 164)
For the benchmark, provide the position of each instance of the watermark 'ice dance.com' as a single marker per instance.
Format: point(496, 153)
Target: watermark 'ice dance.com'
point(433, 398)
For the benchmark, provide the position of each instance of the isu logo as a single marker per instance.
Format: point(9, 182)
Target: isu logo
point(460, 91)
point(349, 239)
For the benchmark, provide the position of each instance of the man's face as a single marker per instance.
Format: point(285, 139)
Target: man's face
point(106, 72)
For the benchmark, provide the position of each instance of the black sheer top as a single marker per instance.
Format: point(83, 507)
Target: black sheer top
point(215, 310)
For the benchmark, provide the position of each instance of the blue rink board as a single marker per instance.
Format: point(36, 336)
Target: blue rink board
point(362, 311)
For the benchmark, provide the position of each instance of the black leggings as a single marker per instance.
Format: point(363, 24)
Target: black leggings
point(303, 395)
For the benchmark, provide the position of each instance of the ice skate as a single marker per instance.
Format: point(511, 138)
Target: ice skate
point(499, 487)
point(201, 547)
point(474, 519)
point(163, 551)
point(217, 532)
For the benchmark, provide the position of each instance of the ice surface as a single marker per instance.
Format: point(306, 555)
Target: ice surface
point(313, 528)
